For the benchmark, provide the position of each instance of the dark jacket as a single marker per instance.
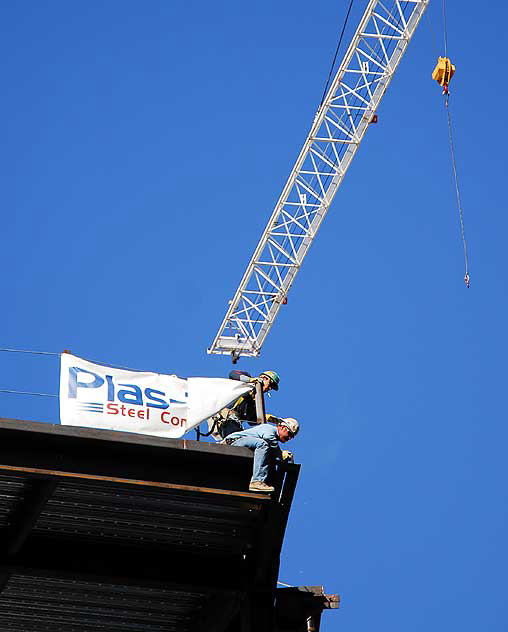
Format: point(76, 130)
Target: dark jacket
point(245, 407)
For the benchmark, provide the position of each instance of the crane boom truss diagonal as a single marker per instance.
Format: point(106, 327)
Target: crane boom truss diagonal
point(336, 133)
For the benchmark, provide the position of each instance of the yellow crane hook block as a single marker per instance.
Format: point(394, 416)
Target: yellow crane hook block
point(443, 72)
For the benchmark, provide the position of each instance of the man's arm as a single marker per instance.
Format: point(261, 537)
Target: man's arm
point(269, 434)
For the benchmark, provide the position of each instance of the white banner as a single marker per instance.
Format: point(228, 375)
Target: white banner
point(97, 396)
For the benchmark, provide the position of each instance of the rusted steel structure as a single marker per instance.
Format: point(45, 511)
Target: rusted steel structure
point(108, 531)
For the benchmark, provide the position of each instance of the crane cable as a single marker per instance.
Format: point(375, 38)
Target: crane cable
point(467, 278)
point(328, 81)
point(447, 73)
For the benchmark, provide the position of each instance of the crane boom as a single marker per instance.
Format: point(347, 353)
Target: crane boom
point(336, 133)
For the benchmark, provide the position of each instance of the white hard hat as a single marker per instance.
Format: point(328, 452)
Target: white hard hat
point(291, 424)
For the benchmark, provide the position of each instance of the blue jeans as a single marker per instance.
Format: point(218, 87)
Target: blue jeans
point(262, 460)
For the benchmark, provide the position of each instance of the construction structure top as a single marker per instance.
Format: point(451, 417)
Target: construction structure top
point(113, 531)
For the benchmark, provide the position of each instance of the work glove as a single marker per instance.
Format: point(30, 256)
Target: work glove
point(287, 455)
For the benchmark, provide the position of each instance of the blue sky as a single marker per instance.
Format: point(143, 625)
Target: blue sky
point(143, 148)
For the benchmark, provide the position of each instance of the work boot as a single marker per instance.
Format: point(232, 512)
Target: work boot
point(259, 486)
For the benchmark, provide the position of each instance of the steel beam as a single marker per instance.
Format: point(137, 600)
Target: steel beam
point(36, 495)
point(50, 478)
point(120, 563)
point(123, 455)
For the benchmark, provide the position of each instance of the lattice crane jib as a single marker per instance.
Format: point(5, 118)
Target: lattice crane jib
point(340, 123)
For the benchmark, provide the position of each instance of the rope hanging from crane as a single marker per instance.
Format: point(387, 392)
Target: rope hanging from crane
point(443, 73)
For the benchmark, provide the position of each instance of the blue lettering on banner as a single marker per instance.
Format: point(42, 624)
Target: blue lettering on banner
point(149, 392)
point(90, 407)
point(111, 388)
point(134, 396)
point(129, 394)
point(74, 384)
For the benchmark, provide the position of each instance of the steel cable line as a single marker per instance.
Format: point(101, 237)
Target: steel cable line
point(336, 52)
point(467, 278)
point(285, 242)
point(445, 36)
point(325, 180)
point(53, 353)
point(378, 53)
point(16, 392)
point(5, 390)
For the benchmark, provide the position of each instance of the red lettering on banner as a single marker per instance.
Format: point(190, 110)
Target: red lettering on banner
point(142, 413)
point(167, 418)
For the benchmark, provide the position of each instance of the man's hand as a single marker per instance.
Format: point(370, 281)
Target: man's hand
point(287, 455)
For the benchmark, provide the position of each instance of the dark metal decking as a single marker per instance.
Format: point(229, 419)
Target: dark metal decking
point(109, 531)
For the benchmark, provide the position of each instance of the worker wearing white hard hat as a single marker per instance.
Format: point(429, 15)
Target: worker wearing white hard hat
point(264, 441)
